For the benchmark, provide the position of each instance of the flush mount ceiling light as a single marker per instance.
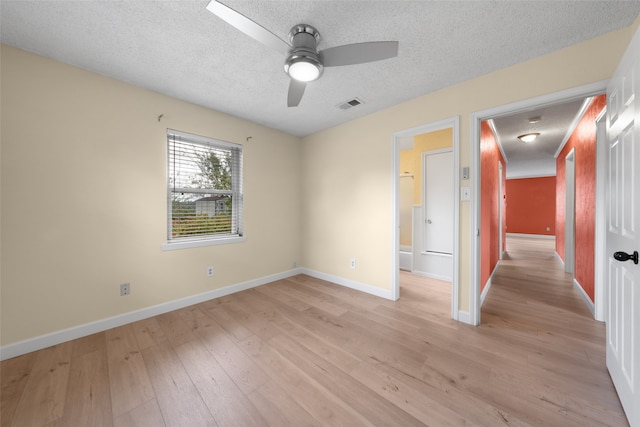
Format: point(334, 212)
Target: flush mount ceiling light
point(528, 137)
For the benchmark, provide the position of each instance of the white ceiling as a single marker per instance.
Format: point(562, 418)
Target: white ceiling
point(538, 157)
point(180, 49)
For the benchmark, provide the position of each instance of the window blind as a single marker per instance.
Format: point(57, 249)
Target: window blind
point(204, 188)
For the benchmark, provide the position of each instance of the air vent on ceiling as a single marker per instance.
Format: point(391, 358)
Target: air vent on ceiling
point(350, 104)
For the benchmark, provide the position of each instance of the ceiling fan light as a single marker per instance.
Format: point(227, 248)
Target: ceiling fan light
point(528, 137)
point(303, 70)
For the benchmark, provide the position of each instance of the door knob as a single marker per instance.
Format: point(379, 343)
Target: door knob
point(429, 222)
point(623, 256)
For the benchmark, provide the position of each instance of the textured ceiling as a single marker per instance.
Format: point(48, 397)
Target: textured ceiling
point(180, 49)
point(538, 157)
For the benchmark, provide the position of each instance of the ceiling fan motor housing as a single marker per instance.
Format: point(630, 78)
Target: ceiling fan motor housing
point(304, 41)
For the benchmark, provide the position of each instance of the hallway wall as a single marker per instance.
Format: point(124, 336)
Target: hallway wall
point(531, 205)
point(583, 140)
point(490, 155)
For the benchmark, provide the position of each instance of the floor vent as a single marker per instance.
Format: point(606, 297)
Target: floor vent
point(350, 104)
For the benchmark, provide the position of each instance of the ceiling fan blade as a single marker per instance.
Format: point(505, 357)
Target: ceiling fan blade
point(358, 53)
point(248, 27)
point(296, 90)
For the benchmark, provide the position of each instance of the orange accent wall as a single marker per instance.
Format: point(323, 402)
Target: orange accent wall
point(531, 205)
point(583, 140)
point(490, 155)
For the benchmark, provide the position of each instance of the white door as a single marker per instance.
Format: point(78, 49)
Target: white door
point(623, 235)
point(438, 202)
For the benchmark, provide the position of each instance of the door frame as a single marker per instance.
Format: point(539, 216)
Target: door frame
point(449, 123)
point(476, 118)
point(600, 265)
point(570, 212)
point(500, 208)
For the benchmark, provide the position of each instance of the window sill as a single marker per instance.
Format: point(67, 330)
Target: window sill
point(200, 243)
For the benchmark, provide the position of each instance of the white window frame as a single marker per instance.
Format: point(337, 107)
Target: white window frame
point(236, 193)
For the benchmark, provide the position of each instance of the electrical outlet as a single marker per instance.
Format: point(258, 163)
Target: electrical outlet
point(294, 264)
point(352, 263)
point(210, 271)
point(125, 289)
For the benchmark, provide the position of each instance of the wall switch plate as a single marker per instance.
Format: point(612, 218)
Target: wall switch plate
point(465, 172)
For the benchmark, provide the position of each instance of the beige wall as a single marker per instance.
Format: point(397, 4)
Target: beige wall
point(347, 205)
point(84, 198)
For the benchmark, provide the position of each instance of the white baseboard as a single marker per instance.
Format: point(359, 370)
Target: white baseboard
point(432, 276)
point(532, 236)
point(485, 291)
point(44, 341)
point(585, 297)
point(464, 317)
point(405, 260)
point(358, 286)
point(558, 259)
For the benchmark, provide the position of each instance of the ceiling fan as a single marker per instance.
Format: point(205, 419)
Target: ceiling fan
point(304, 63)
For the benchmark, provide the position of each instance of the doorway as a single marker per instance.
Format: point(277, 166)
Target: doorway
point(399, 142)
point(476, 119)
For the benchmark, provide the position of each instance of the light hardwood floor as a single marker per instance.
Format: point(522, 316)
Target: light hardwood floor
point(303, 352)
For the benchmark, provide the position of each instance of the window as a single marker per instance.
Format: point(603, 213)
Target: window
point(204, 200)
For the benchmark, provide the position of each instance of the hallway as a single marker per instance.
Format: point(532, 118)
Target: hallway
point(550, 333)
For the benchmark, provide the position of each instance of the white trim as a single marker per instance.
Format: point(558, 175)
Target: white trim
point(600, 266)
point(431, 275)
point(485, 291)
point(492, 125)
point(358, 286)
point(573, 125)
point(397, 142)
point(584, 296)
point(502, 195)
point(557, 257)
point(454, 124)
point(531, 176)
point(464, 317)
point(570, 188)
point(532, 236)
point(474, 135)
point(173, 245)
point(47, 340)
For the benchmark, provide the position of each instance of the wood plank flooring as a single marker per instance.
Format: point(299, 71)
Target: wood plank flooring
point(303, 352)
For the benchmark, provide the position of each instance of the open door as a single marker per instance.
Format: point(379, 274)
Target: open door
point(623, 230)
